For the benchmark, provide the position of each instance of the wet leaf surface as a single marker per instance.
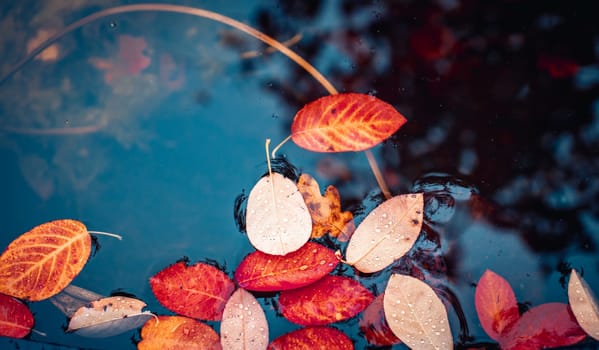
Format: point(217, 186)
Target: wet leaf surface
point(312, 338)
point(244, 323)
point(40, 263)
point(177, 333)
point(387, 233)
point(325, 211)
point(345, 122)
point(198, 291)
point(268, 273)
point(584, 304)
point(277, 219)
point(415, 314)
point(109, 316)
point(330, 299)
point(496, 304)
point(16, 320)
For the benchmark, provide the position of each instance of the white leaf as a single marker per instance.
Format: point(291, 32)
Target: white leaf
point(244, 324)
point(415, 314)
point(583, 304)
point(277, 220)
point(109, 316)
point(387, 233)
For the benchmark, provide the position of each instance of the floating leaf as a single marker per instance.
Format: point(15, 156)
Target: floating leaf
point(198, 291)
point(330, 299)
point(344, 122)
point(244, 324)
point(277, 219)
point(72, 298)
point(374, 325)
point(325, 210)
point(545, 326)
point(496, 304)
point(40, 263)
point(584, 304)
point(15, 318)
point(415, 314)
point(109, 316)
point(387, 233)
point(177, 332)
point(268, 273)
point(313, 338)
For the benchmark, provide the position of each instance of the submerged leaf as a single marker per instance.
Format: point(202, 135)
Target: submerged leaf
point(545, 326)
point(198, 291)
point(244, 324)
point(374, 325)
point(345, 122)
point(330, 299)
point(277, 219)
point(15, 318)
point(387, 233)
point(313, 338)
point(496, 304)
point(326, 210)
point(177, 332)
point(268, 273)
point(584, 304)
point(40, 263)
point(415, 314)
point(109, 316)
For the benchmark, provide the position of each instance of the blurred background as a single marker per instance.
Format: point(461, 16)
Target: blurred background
point(151, 124)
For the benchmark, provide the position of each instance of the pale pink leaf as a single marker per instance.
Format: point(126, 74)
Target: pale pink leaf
point(244, 324)
point(583, 304)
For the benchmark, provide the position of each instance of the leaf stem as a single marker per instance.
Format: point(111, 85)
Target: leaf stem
point(377, 174)
point(114, 235)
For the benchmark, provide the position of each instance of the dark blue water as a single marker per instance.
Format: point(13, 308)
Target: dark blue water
point(502, 138)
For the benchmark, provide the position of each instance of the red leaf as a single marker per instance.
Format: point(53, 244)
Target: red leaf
point(374, 325)
point(197, 291)
point(312, 338)
point(331, 299)
point(264, 272)
point(545, 326)
point(344, 122)
point(15, 318)
point(496, 304)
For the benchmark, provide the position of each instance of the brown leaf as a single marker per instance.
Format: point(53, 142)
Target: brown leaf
point(415, 314)
point(584, 305)
point(387, 233)
point(40, 263)
point(325, 210)
point(109, 316)
point(244, 323)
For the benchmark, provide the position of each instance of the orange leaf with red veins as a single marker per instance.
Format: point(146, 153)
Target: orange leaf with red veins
point(325, 210)
point(374, 325)
point(177, 333)
point(345, 122)
point(198, 291)
point(268, 273)
point(40, 263)
point(548, 325)
point(15, 318)
point(313, 338)
point(496, 304)
point(330, 299)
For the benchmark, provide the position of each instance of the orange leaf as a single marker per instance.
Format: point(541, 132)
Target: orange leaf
point(325, 210)
point(313, 338)
point(40, 263)
point(345, 122)
point(15, 318)
point(268, 273)
point(330, 299)
point(198, 291)
point(177, 333)
point(496, 304)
